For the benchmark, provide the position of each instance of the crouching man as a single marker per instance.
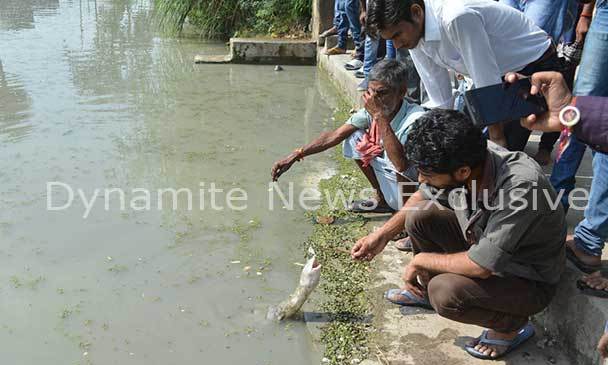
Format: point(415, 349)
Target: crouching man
point(487, 234)
point(373, 137)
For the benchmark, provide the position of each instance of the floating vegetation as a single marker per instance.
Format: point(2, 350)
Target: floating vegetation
point(344, 281)
point(118, 268)
point(30, 283)
point(243, 230)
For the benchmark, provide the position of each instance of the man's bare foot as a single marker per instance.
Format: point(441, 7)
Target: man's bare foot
point(596, 281)
point(584, 257)
point(543, 157)
point(494, 350)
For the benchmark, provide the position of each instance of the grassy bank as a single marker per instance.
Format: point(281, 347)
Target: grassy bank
point(227, 18)
point(344, 282)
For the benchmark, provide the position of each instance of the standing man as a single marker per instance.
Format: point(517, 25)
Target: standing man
point(556, 17)
point(480, 39)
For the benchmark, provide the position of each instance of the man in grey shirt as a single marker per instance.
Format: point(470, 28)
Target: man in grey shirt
point(487, 231)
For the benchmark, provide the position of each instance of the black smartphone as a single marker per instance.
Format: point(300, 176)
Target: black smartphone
point(503, 102)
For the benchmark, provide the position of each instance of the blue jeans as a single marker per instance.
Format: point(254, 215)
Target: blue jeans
point(591, 232)
point(556, 17)
point(347, 12)
point(592, 79)
point(371, 53)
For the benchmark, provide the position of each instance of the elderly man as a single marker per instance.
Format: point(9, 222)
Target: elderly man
point(480, 39)
point(374, 137)
point(487, 230)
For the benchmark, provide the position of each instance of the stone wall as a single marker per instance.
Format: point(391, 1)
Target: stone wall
point(322, 16)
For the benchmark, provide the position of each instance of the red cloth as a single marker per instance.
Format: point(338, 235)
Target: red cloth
point(369, 146)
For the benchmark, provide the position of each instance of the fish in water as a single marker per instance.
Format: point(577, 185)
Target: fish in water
point(309, 279)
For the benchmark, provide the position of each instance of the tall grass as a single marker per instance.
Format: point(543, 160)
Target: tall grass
point(224, 18)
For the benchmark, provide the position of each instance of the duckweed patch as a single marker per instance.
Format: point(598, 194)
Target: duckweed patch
point(344, 282)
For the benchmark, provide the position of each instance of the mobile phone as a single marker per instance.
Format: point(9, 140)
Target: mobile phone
point(503, 102)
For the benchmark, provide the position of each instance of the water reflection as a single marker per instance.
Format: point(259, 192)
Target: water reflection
point(111, 103)
point(14, 107)
point(20, 14)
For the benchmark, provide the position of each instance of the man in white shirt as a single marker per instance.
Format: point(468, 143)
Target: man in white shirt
point(481, 39)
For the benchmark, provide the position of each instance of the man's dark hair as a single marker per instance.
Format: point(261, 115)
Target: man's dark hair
point(385, 13)
point(390, 72)
point(442, 141)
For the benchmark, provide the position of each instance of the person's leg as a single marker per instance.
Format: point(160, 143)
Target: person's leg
point(591, 233)
point(431, 227)
point(343, 24)
point(434, 228)
point(503, 305)
point(545, 147)
point(563, 176)
point(350, 152)
point(592, 77)
point(371, 52)
point(352, 13)
point(499, 303)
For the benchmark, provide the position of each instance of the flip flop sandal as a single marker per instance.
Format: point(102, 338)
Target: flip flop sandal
point(523, 335)
point(587, 290)
point(413, 301)
point(587, 269)
point(353, 65)
point(365, 206)
point(404, 244)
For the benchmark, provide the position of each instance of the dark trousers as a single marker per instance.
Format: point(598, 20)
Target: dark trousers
point(516, 135)
point(503, 304)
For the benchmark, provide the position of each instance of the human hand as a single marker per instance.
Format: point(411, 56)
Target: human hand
point(582, 27)
point(375, 107)
point(281, 166)
point(553, 87)
point(367, 247)
point(602, 346)
point(410, 276)
point(362, 18)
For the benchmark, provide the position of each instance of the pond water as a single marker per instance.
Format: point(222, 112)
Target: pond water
point(93, 98)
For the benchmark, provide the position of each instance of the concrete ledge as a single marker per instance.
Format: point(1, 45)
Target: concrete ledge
point(575, 320)
point(344, 80)
point(213, 59)
point(273, 51)
point(266, 51)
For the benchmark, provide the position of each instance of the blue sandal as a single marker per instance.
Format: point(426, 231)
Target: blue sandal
point(413, 301)
point(522, 336)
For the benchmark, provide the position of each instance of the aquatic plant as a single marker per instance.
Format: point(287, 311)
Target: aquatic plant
point(224, 18)
point(344, 282)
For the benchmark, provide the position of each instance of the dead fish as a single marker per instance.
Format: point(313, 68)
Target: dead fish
point(309, 279)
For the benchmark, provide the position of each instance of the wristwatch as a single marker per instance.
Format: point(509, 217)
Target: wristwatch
point(570, 115)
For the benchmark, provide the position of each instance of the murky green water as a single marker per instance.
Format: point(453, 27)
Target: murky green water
point(91, 96)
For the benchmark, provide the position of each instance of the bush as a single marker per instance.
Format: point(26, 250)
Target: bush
point(224, 18)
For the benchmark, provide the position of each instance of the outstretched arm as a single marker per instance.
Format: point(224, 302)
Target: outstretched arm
point(325, 141)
